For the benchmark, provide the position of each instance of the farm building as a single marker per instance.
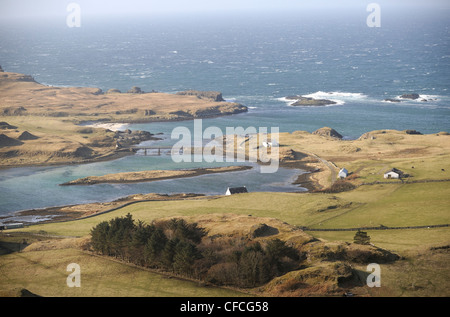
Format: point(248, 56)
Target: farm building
point(343, 173)
point(236, 190)
point(393, 173)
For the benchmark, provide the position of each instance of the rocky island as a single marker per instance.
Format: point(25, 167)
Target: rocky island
point(307, 101)
point(411, 96)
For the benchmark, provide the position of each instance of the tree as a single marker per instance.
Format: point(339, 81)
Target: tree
point(277, 251)
point(140, 236)
point(120, 235)
point(155, 246)
point(99, 238)
point(168, 253)
point(254, 266)
point(184, 257)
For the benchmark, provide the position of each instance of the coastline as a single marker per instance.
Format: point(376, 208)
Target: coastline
point(82, 211)
point(309, 179)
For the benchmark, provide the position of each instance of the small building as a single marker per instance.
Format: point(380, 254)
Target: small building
point(343, 173)
point(270, 144)
point(236, 190)
point(393, 173)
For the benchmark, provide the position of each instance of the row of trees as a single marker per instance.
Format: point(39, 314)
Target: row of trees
point(184, 248)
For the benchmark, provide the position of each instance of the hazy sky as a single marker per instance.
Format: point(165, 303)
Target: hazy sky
point(45, 8)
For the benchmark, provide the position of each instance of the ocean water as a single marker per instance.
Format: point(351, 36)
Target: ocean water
point(253, 60)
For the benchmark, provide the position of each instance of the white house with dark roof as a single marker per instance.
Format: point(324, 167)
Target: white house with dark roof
point(236, 190)
point(343, 173)
point(393, 173)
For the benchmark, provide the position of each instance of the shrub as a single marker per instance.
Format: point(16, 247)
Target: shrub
point(361, 237)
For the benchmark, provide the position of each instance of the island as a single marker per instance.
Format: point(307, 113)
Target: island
point(308, 101)
point(152, 175)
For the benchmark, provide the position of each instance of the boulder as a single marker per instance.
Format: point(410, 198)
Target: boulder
point(135, 90)
point(412, 96)
point(262, 230)
point(412, 132)
point(392, 100)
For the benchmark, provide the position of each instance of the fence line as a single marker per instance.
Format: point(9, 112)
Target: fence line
point(381, 227)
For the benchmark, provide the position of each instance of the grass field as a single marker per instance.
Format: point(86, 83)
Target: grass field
point(43, 272)
point(423, 269)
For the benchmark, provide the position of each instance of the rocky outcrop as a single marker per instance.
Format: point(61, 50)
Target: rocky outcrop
point(406, 97)
point(135, 90)
point(349, 252)
point(412, 132)
point(27, 136)
point(392, 100)
point(329, 132)
point(5, 125)
point(7, 141)
point(128, 137)
point(83, 152)
point(224, 109)
point(262, 230)
point(13, 111)
point(149, 112)
point(307, 101)
point(326, 279)
point(113, 91)
point(412, 96)
point(211, 95)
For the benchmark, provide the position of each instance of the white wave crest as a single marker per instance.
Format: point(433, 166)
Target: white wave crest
point(337, 96)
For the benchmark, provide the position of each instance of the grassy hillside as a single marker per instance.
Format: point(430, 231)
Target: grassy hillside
point(44, 273)
point(421, 271)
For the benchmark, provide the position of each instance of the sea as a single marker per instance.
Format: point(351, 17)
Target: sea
point(253, 59)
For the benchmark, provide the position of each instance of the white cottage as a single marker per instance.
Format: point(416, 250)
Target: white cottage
point(343, 173)
point(393, 173)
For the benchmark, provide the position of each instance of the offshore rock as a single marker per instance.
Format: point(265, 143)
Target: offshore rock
point(307, 101)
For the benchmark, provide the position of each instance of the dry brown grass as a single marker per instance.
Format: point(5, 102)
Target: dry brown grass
point(51, 114)
point(19, 97)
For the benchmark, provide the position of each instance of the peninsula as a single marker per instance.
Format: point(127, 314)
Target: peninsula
point(40, 125)
point(152, 175)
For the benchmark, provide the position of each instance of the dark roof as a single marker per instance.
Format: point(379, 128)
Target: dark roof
point(238, 190)
point(395, 171)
